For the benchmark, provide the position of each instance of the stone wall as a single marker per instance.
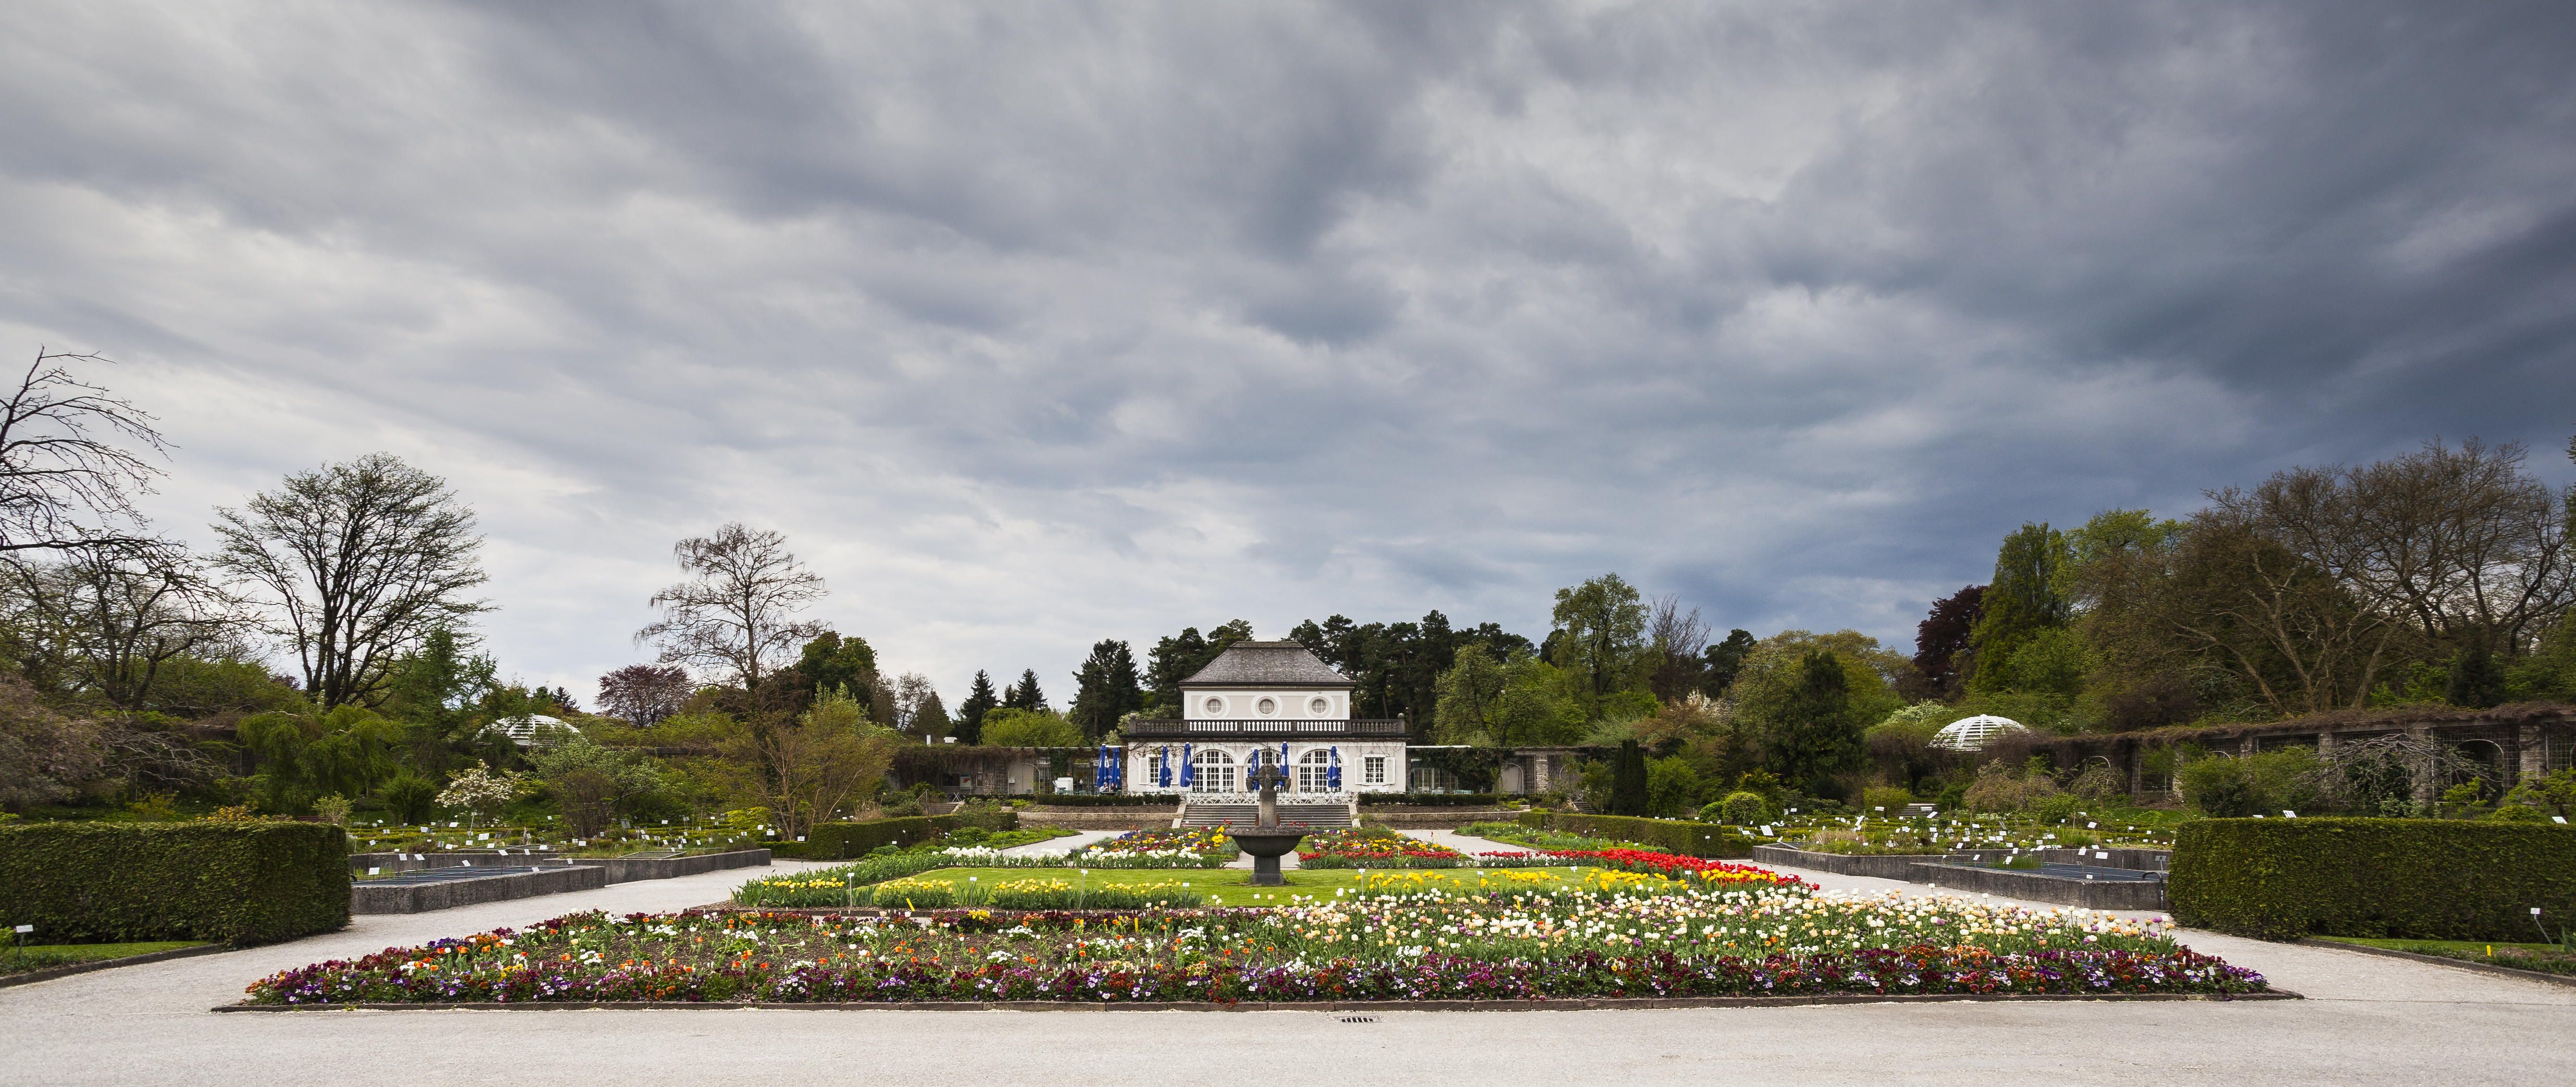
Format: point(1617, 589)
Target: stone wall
point(2035, 887)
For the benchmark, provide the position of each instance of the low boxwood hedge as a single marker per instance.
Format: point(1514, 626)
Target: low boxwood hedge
point(843, 841)
point(1437, 800)
point(2432, 879)
point(1679, 836)
point(238, 883)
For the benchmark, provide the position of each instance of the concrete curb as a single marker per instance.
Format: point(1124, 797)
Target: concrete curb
point(1566, 1005)
point(2437, 960)
point(51, 972)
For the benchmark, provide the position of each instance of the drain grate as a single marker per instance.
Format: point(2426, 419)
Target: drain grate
point(1359, 1019)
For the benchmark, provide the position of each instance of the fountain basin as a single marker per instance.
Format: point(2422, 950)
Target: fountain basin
point(1265, 846)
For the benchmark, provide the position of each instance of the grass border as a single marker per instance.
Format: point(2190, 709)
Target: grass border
point(1569, 1004)
point(51, 972)
point(2437, 960)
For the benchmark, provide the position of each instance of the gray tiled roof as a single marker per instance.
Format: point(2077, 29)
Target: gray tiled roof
point(1267, 664)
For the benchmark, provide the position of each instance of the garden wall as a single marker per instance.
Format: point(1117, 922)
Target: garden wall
point(2091, 894)
point(630, 869)
point(1715, 841)
point(240, 883)
point(2430, 879)
point(1899, 866)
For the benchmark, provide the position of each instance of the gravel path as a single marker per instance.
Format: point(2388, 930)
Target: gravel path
point(2371, 1021)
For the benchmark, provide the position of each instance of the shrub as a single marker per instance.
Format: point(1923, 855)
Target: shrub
point(1741, 809)
point(2224, 788)
point(1890, 801)
point(2517, 813)
point(2055, 810)
point(2281, 879)
point(241, 883)
point(1689, 839)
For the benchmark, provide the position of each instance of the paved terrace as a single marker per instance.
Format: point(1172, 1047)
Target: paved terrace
point(2371, 1021)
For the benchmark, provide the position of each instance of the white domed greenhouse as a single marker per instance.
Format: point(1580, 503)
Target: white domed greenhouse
point(1971, 733)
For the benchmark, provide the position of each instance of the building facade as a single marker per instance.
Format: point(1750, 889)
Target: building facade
point(1265, 702)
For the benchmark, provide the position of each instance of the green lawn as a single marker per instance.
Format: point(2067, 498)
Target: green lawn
point(1224, 886)
point(2435, 947)
point(45, 956)
point(2544, 958)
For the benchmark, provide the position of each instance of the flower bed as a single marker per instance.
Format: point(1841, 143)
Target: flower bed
point(1200, 847)
point(1624, 934)
point(1374, 847)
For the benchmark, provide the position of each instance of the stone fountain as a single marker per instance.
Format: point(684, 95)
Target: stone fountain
point(1266, 842)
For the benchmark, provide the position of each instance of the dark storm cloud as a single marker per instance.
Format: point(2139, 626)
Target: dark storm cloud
point(1035, 324)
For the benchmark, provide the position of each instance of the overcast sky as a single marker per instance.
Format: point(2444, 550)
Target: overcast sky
point(1033, 324)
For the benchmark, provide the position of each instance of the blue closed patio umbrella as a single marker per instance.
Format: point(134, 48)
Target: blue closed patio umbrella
point(1333, 772)
point(1166, 775)
point(1189, 768)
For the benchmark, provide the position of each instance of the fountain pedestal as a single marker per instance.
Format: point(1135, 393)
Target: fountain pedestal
point(1265, 843)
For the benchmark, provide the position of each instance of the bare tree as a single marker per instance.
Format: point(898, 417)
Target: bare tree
point(734, 612)
point(1676, 638)
point(644, 694)
point(911, 693)
point(2462, 543)
point(108, 619)
point(63, 485)
point(360, 562)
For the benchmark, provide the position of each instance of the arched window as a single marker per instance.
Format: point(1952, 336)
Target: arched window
point(1216, 772)
point(1314, 771)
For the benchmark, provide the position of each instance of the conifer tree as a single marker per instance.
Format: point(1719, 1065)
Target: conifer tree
point(980, 699)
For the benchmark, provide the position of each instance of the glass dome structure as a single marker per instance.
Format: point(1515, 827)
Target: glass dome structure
point(1971, 733)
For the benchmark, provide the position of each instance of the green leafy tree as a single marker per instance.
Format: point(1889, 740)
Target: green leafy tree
point(834, 662)
point(1815, 736)
point(1600, 636)
point(1025, 694)
point(2028, 596)
point(592, 784)
point(344, 751)
point(1013, 727)
point(1725, 660)
point(1106, 689)
point(2476, 682)
point(1672, 787)
point(1518, 701)
point(980, 700)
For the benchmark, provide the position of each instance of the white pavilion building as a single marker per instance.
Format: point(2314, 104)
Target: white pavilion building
point(1262, 700)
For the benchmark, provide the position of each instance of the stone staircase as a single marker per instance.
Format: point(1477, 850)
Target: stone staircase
point(1313, 816)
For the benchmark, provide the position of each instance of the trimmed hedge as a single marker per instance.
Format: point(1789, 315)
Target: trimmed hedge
point(239, 883)
point(844, 841)
point(2425, 879)
point(1100, 800)
point(1715, 841)
point(1439, 800)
